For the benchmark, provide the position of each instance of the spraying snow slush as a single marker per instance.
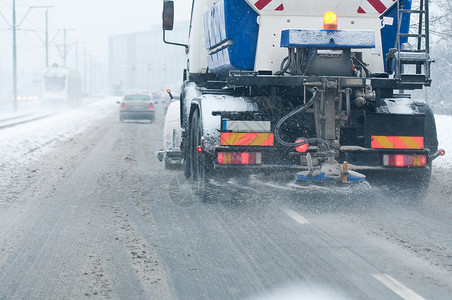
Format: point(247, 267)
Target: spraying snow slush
point(330, 172)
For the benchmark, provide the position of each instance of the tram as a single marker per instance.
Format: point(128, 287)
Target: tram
point(61, 86)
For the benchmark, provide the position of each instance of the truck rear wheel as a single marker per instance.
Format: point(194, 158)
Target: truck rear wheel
point(197, 161)
point(168, 165)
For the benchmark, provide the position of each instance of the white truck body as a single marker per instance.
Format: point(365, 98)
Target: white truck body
point(294, 14)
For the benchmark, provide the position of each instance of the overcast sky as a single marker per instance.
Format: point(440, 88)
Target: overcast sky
point(95, 18)
point(88, 21)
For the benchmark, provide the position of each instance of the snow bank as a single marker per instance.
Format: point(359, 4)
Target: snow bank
point(24, 143)
point(444, 129)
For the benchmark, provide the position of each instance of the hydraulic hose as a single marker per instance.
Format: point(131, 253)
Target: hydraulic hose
point(293, 113)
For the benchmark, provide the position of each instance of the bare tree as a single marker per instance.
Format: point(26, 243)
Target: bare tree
point(441, 51)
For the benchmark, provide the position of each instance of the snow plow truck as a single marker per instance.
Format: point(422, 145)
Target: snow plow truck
point(318, 90)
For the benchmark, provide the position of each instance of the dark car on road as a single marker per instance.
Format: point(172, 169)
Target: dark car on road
point(136, 107)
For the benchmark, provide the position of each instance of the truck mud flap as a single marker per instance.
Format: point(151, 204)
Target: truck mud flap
point(394, 131)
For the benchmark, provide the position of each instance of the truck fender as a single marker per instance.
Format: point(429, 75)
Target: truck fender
point(430, 135)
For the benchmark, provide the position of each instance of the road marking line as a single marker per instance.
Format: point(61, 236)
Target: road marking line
point(296, 216)
point(397, 287)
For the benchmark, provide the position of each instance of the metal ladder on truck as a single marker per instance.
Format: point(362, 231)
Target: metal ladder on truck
point(419, 56)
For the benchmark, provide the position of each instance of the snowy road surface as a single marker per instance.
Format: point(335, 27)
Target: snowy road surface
point(87, 210)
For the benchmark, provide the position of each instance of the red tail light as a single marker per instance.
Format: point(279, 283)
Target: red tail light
point(123, 105)
point(151, 105)
point(239, 158)
point(302, 148)
point(403, 160)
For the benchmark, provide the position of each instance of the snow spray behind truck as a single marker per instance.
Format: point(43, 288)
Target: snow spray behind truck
point(312, 88)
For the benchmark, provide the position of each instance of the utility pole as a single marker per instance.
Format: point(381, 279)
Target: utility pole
point(14, 58)
point(47, 38)
point(14, 27)
point(90, 65)
point(65, 44)
point(84, 70)
point(76, 55)
point(79, 52)
point(94, 88)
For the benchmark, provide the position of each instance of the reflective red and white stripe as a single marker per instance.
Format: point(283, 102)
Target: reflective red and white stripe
point(375, 6)
point(269, 5)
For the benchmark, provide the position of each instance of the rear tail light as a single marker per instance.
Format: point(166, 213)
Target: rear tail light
point(404, 160)
point(239, 158)
point(302, 148)
point(123, 105)
point(151, 105)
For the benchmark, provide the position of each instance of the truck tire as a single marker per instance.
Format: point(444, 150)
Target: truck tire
point(413, 184)
point(417, 182)
point(198, 171)
point(168, 166)
point(186, 155)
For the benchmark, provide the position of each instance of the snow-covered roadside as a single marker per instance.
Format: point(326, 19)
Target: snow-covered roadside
point(444, 129)
point(441, 184)
point(22, 144)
